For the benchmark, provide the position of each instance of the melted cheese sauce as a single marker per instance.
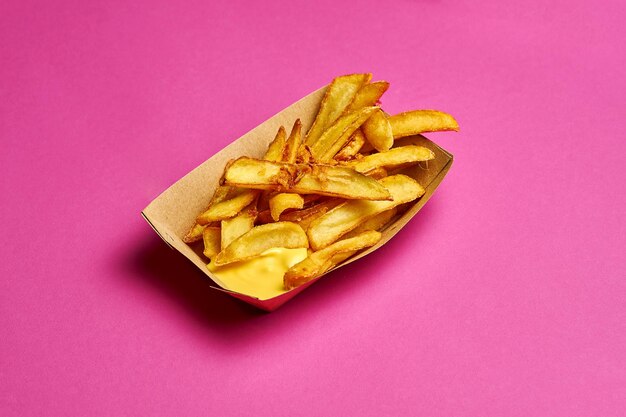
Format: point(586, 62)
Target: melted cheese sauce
point(260, 277)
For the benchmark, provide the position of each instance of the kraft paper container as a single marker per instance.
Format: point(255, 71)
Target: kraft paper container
point(173, 212)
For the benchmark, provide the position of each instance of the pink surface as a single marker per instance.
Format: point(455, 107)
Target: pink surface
point(504, 297)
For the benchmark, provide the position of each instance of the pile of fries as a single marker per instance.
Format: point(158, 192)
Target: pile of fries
point(331, 191)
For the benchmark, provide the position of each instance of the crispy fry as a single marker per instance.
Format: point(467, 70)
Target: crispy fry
point(195, 233)
point(211, 238)
point(420, 121)
point(368, 95)
point(283, 201)
point(327, 180)
point(377, 130)
point(240, 224)
point(298, 215)
point(261, 238)
point(336, 136)
point(228, 208)
point(352, 147)
point(319, 262)
point(338, 96)
point(373, 223)
point(276, 148)
point(393, 158)
point(293, 143)
point(347, 216)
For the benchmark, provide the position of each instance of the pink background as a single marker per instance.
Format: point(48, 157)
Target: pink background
point(504, 297)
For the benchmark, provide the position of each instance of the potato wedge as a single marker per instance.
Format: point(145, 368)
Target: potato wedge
point(293, 143)
point(393, 158)
point(277, 147)
point(377, 130)
point(347, 216)
point(261, 238)
point(352, 147)
point(228, 208)
point(236, 226)
point(339, 95)
point(327, 180)
point(420, 121)
point(211, 238)
point(377, 173)
point(195, 233)
point(283, 201)
point(319, 262)
point(368, 95)
point(336, 136)
point(373, 223)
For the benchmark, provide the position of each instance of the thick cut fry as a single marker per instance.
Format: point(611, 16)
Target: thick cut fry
point(283, 201)
point(298, 215)
point(352, 147)
point(377, 130)
point(339, 95)
point(336, 136)
point(261, 238)
point(393, 158)
point(211, 238)
point(228, 208)
point(373, 223)
point(420, 121)
point(368, 95)
point(238, 225)
point(293, 143)
point(347, 216)
point(319, 262)
point(277, 147)
point(195, 233)
point(327, 180)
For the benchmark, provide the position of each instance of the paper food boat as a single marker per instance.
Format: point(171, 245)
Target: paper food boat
point(173, 212)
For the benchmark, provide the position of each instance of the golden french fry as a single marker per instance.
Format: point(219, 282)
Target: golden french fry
point(276, 148)
point(368, 95)
point(283, 201)
point(336, 136)
point(319, 262)
point(352, 147)
point(339, 95)
point(261, 238)
point(298, 215)
point(240, 224)
point(420, 121)
point(327, 180)
point(377, 130)
point(195, 233)
point(393, 158)
point(373, 223)
point(347, 216)
point(228, 208)
point(293, 143)
point(211, 238)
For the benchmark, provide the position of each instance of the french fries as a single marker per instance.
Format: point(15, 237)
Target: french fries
point(326, 180)
point(284, 201)
point(328, 191)
point(339, 95)
point(421, 121)
point(261, 238)
point(320, 261)
point(377, 130)
point(347, 216)
point(393, 158)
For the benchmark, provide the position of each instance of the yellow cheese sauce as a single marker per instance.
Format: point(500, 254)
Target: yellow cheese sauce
point(260, 277)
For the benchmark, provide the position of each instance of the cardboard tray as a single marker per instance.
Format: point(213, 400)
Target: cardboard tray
point(173, 212)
